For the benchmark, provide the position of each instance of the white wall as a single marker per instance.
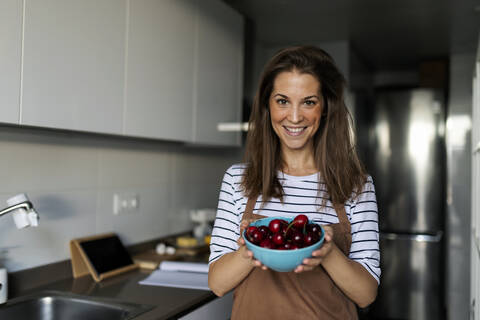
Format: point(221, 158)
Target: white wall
point(71, 179)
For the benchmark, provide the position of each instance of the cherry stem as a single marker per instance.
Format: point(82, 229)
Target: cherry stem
point(289, 226)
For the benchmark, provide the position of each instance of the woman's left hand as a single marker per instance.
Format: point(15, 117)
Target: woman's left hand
point(318, 256)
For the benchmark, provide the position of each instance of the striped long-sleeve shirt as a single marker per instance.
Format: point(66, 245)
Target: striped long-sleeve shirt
point(302, 195)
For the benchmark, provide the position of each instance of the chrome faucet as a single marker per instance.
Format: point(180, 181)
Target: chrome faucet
point(24, 214)
point(27, 205)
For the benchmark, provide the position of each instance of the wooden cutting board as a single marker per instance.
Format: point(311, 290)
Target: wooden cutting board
point(151, 259)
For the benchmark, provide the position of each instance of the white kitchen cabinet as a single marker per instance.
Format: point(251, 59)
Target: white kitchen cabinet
point(160, 64)
point(10, 59)
point(161, 69)
point(218, 72)
point(218, 309)
point(73, 65)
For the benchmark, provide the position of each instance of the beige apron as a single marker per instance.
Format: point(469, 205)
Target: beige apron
point(267, 294)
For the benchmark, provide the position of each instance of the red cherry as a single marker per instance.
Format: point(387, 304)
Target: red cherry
point(311, 238)
point(275, 225)
point(250, 229)
point(297, 238)
point(256, 236)
point(313, 227)
point(284, 228)
point(300, 221)
point(249, 232)
point(266, 232)
point(268, 244)
point(287, 246)
point(289, 231)
point(278, 239)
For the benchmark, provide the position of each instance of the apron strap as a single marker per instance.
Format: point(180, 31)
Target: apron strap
point(341, 213)
point(342, 216)
point(248, 214)
point(345, 241)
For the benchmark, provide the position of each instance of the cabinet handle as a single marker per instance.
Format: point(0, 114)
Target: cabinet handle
point(476, 240)
point(232, 126)
point(477, 148)
point(472, 309)
point(415, 237)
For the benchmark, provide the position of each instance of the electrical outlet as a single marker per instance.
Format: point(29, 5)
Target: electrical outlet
point(125, 203)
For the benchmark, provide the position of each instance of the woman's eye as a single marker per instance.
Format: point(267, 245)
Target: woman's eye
point(282, 101)
point(310, 102)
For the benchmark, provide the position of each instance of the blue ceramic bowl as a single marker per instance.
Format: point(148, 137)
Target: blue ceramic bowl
point(280, 260)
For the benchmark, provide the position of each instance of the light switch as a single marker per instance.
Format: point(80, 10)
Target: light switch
point(128, 202)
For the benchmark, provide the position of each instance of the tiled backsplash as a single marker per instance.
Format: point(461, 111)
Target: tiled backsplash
point(71, 179)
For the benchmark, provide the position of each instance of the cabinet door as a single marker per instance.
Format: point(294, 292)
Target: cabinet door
point(219, 72)
point(10, 59)
point(73, 75)
point(160, 69)
point(218, 309)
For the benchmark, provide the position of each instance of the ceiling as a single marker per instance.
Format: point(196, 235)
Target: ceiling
point(387, 35)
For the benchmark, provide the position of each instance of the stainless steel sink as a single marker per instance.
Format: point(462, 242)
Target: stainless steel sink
point(53, 305)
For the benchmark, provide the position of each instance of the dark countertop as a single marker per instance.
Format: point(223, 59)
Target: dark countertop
point(169, 303)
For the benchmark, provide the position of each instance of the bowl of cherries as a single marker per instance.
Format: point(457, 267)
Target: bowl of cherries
point(281, 243)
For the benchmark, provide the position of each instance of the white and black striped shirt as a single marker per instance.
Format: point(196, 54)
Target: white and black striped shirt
point(303, 195)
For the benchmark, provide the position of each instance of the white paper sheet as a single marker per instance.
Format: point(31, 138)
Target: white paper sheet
point(179, 275)
point(183, 266)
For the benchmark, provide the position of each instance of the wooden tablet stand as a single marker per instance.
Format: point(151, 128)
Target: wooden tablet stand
point(102, 256)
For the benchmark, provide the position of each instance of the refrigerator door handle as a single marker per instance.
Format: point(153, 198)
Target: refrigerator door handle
point(420, 237)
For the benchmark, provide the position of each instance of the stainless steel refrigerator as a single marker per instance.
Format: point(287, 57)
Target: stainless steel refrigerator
point(402, 144)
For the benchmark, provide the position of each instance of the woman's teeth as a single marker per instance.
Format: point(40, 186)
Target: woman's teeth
point(294, 130)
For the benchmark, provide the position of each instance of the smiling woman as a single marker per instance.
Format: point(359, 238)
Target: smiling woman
point(300, 159)
point(304, 80)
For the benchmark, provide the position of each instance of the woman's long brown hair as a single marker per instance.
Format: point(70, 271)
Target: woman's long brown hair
point(334, 146)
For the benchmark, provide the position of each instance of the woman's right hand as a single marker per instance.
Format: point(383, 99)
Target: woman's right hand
point(230, 269)
point(242, 248)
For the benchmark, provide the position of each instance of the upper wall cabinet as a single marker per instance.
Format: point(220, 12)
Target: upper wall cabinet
point(10, 59)
point(73, 66)
point(218, 72)
point(160, 64)
point(184, 70)
point(161, 69)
